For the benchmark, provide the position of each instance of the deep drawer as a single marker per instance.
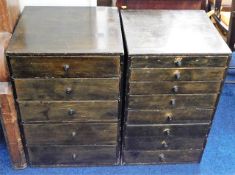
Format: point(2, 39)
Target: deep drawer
point(169, 116)
point(72, 155)
point(171, 74)
point(60, 67)
point(178, 61)
point(155, 157)
point(168, 131)
point(67, 89)
point(154, 143)
point(171, 101)
point(71, 133)
point(54, 111)
point(142, 88)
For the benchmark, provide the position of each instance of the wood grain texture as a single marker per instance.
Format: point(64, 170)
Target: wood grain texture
point(71, 134)
point(183, 61)
point(180, 130)
point(64, 111)
point(10, 126)
point(154, 143)
point(77, 67)
point(57, 89)
point(165, 101)
point(148, 88)
point(163, 74)
point(72, 155)
point(169, 116)
point(159, 157)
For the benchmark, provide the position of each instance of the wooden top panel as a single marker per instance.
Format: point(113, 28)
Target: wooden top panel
point(67, 31)
point(171, 32)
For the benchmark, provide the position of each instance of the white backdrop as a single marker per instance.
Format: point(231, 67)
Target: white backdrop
point(57, 3)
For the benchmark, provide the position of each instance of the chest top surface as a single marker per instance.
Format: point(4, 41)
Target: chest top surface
point(67, 30)
point(171, 32)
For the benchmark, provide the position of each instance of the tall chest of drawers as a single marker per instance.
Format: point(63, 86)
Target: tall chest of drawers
point(176, 67)
point(66, 67)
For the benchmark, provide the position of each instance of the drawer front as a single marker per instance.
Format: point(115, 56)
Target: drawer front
point(154, 143)
point(172, 101)
point(145, 88)
point(70, 67)
point(67, 89)
point(178, 61)
point(168, 131)
point(71, 133)
point(56, 111)
point(155, 157)
point(72, 155)
point(168, 74)
point(172, 116)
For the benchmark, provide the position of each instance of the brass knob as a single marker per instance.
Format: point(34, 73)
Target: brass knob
point(173, 102)
point(175, 88)
point(66, 68)
point(74, 156)
point(162, 157)
point(177, 75)
point(71, 112)
point(178, 61)
point(166, 131)
point(164, 144)
point(169, 117)
point(73, 133)
point(68, 90)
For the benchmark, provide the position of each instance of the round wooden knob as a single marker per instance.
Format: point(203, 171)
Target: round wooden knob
point(164, 144)
point(177, 75)
point(71, 112)
point(166, 131)
point(175, 88)
point(66, 67)
point(169, 117)
point(74, 156)
point(178, 61)
point(162, 157)
point(68, 90)
point(73, 133)
point(173, 102)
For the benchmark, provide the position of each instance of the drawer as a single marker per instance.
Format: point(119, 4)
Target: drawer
point(171, 101)
point(72, 155)
point(71, 133)
point(168, 131)
point(67, 89)
point(145, 88)
point(181, 74)
point(178, 61)
point(154, 143)
point(155, 157)
point(57, 111)
point(61, 67)
point(172, 116)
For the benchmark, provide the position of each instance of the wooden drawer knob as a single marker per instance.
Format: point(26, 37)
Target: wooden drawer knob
point(74, 156)
point(71, 112)
point(177, 75)
point(175, 89)
point(162, 157)
point(166, 132)
point(169, 117)
point(164, 144)
point(173, 102)
point(178, 61)
point(68, 90)
point(74, 133)
point(66, 68)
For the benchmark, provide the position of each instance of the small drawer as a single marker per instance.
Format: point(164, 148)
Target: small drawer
point(159, 157)
point(181, 74)
point(56, 111)
point(154, 143)
point(65, 67)
point(72, 155)
point(178, 61)
point(171, 116)
point(146, 88)
point(168, 131)
point(179, 101)
point(71, 134)
point(67, 89)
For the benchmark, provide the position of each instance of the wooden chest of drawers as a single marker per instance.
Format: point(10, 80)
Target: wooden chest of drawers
point(175, 68)
point(66, 67)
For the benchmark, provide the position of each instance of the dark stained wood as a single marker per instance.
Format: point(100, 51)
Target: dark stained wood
point(179, 130)
point(67, 31)
point(71, 134)
point(142, 88)
point(64, 111)
point(72, 155)
point(183, 61)
point(231, 35)
point(165, 101)
point(163, 74)
point(54, 67)
point(57, 89)
point(169, 116)
point(104, 2)
point(154, 143)
point(157, 157)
